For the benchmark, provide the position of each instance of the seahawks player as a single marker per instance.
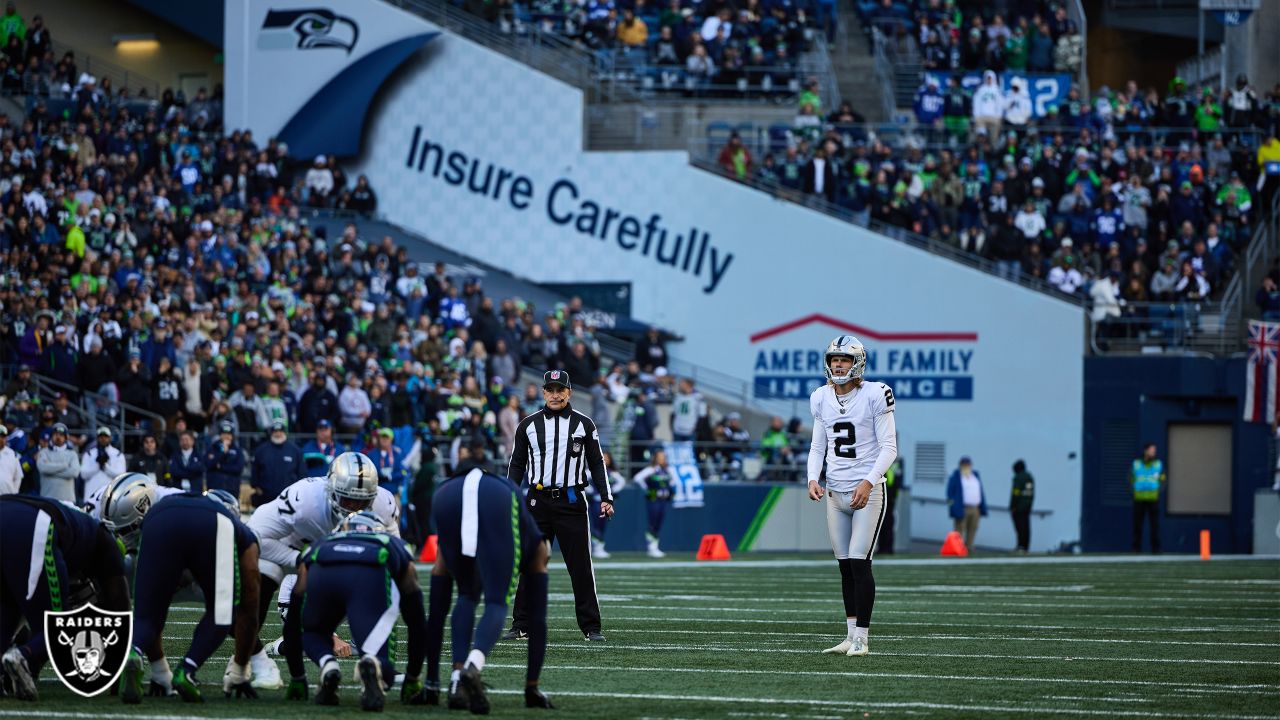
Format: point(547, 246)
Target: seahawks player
point(367, 576)
point(305, 513)
point(48, 549)
point(202, 536)
point(855, 433)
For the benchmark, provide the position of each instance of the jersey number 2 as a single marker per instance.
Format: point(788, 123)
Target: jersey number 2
point(846, 440)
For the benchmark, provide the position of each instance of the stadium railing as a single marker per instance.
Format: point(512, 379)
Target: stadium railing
point(121, 77)
point(1037, 512)
point(545, 51)
point(94, 408)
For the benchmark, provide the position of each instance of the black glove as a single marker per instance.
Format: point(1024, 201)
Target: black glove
point(241, 690)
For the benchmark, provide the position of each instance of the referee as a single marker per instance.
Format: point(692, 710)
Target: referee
point(555, 447)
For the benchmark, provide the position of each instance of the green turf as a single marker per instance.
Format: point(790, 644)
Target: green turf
point(1184, 639)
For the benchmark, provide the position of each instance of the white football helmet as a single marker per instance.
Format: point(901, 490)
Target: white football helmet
point(852, 348)
point(364, 521)
point(125, 504)
point(353, 484)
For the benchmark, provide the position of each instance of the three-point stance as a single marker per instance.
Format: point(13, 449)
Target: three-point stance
point(855, 433)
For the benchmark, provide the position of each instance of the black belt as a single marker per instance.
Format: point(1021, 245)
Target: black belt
point(555, 492)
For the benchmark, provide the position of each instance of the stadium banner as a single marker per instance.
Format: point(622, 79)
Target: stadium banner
point(1046, 89)
point(486, 157)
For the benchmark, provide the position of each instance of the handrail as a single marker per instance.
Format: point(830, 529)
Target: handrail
point(44, 384)
point(903, 235)
point(1187, 327)
point(1075, 12)
point(1001, 508)
point(884, 73)
point(545, 52)
point(121, 77)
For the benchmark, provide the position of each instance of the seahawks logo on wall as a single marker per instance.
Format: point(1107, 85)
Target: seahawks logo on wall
point(308, 29)
point(88, 647)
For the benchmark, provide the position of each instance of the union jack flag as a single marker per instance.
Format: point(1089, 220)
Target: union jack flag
point(1262, 385)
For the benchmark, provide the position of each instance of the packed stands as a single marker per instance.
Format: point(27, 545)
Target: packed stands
point(1155, 195)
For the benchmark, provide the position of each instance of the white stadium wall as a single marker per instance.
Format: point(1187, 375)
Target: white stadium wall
point(485, 156)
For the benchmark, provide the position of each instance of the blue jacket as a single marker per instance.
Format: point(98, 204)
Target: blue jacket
point(275, 467)
point(391, 472)
point(192, 470)
point(224, 468)
point(316, 460)
point(955, 495)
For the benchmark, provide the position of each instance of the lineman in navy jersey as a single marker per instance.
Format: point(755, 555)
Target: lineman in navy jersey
point(202, 535)
point(855, 434)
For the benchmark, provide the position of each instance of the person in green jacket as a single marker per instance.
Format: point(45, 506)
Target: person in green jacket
point(11, 24)
point(1147, 475)
point(1020, 500)
point(1209, 113)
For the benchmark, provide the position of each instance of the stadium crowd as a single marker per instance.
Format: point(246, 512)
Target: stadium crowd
point(1030, 35)
point(176, 275)
point(751, 46)
point(1152, 196)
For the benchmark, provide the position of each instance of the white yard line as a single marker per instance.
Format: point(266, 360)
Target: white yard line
point(854, 704)
point(784, 563)
point(1208, 687)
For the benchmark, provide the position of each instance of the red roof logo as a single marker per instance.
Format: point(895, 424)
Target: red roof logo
point(864, 331)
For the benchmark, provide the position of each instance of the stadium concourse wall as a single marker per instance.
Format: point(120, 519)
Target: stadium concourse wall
point(1131, 401)
point(486, 157)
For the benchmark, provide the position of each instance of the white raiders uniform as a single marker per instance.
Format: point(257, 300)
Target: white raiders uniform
point(858, 441)
point(302, 516)
point(93, 503)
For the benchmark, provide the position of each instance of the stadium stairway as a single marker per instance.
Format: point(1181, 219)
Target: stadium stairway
point(855, 66)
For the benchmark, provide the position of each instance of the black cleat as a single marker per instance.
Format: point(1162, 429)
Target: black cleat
point(330, 679)
point(430, 694)
point(594, 636)
point(535, 698)
point(470, 679)
point(515, 634)
point(372, 693)
point(458, 697)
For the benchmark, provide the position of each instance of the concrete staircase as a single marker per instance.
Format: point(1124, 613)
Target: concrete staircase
point(855, 67)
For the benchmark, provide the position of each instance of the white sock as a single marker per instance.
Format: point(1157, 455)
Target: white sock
point(853, 625)
point(453, 677)
point(161, 673)
point(260, 655)
point(476, 659)
point(861, 633)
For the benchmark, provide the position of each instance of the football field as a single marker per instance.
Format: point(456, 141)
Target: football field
point(1106, 637)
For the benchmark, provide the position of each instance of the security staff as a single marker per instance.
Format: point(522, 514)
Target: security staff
point(556, 446)
point(1147, 476)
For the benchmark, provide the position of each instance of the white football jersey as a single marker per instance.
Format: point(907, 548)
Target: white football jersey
point(851, 445)
point(301, 515)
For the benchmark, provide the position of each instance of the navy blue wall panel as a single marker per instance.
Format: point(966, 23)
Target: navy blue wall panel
point(727, 510)
point(1131, 401)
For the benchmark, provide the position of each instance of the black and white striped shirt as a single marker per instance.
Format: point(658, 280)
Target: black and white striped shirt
point(556, 449)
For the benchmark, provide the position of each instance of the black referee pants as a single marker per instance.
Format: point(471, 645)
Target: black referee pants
point(565, 522)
